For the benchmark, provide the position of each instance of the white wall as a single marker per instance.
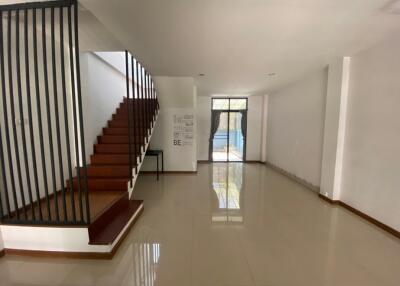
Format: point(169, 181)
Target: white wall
point(203, 126)
point(335, 127)
point(176, 96)
point(371, 156)
point(295, 127)
point(103, 88)
point(254, 127)
point(264, 128)
point(1, 241)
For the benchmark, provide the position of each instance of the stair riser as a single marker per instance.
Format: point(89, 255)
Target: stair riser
point(107, 172)
point(124, 117)
point(122, 131)
point(103, 185)
point(124, 123)
point(111, 139)
point(115, 149)
point(103, 159)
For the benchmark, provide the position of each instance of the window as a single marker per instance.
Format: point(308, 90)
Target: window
point(229, 103)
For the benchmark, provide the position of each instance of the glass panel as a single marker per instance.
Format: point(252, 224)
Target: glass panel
point(220, 142)
point(238, 104)
point(220, 103)
point(236, 140)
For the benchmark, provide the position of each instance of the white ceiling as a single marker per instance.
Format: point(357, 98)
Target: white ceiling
point(236, 43)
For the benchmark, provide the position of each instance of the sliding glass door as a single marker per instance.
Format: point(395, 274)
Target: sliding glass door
point(228, 130)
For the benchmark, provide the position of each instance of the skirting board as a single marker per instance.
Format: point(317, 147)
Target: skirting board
point(168, 172)
point(363, 215)
point(293, 177)
point(247, 162)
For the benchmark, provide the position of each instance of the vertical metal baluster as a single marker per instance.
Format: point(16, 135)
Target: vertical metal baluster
point(146, 100)
point(3, 175)
point(57, 114)
point(154, 98)
point(28, 94)
point(153, 106)
point(139, 123)
point(5, 114)
point(74, 112)
point(49, 120)
point(78, 81)
point(146, 78)
point(135, 136)
point(144, 123)
point(39, 115)
point(22, 119)
point(66, 125)
point(129, 117)
point(13, 117)
point(149, 100)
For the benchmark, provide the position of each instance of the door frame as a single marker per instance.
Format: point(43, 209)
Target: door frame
point(228, 111)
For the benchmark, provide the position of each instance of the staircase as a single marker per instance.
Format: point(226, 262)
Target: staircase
point(42, 140)
point(109, 171)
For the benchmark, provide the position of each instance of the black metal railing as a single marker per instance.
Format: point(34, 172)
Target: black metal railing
point(43, 160)
point(142, 107)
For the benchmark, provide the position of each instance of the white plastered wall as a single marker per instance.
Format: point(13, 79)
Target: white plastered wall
point(295, 127)
point(371, 164)
point(335, 127)
point(103, 89)
point(176, 95)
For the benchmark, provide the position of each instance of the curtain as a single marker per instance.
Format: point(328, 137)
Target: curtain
point(215, 119)
point(244, 131)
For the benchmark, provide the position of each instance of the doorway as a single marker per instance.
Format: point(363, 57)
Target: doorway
point(228, 130)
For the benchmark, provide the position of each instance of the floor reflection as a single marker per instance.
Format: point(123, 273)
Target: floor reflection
point(146, 259)
point(227, 181)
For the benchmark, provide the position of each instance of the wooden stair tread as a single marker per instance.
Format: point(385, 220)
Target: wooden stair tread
point(111, 231)
point(102, 184)
point(107, 171)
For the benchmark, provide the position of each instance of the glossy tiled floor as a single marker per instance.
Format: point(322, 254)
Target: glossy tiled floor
point(236, 225)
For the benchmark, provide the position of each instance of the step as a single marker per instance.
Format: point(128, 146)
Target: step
point(119, 139)
point(107, 215)
point(111, 159)
point(124, 123)
point(139, 110)
point(109, 171)
point(102, 184)
point(107, 227)
point(138, 102)
point(116, 148)
point(123, 116)
point(122, 131)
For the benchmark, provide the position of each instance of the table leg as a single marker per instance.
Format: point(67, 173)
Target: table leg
point(162, 161)
point(157, 168)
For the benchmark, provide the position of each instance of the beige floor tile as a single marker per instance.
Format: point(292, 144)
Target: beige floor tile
point(263, 230)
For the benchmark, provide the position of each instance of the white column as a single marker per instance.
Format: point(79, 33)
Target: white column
point(264, 129)
point(335, 128)
point(1, 241)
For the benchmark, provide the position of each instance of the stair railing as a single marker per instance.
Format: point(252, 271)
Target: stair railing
point(41, 126)
point(142, 107)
